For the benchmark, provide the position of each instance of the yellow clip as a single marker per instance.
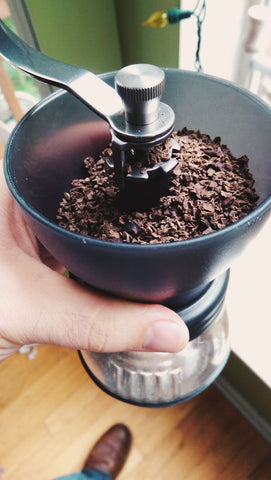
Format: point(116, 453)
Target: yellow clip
point(158, 19)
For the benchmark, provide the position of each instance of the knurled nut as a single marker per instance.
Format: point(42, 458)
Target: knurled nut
point(140, 94)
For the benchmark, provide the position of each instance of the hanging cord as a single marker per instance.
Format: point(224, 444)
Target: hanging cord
point(161, 19)
point(200, 16)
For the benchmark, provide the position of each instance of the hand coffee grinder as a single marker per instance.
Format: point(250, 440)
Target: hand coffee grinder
point(46, 152)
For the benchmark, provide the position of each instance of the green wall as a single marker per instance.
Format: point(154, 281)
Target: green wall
point(146, 45)
point(80, 32)
point(104, 35)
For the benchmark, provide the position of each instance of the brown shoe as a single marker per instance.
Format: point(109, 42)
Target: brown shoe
point(110, 452)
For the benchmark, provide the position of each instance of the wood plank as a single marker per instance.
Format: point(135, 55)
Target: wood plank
point(51, 414)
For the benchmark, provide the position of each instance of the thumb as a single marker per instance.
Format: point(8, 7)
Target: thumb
point(49, 308)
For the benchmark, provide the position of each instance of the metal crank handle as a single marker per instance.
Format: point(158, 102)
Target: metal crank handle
point(87, 87)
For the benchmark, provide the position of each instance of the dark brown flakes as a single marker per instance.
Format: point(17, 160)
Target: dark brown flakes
point(209, 190)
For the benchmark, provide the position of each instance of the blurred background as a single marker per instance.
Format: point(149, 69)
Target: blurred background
point(104, 35)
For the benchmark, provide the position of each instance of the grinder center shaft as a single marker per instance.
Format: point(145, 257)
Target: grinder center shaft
point(151, 122)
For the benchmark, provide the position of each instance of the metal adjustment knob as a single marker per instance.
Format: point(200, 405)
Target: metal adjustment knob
point(140, 87)
point(147, 123)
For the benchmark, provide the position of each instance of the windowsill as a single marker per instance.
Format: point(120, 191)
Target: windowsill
point(249, 305)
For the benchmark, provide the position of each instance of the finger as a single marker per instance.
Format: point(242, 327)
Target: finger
point(50, 308)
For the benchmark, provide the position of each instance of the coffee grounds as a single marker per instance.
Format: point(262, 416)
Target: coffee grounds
point(209, 190)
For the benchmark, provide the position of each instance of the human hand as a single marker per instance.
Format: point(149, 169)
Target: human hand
point(40, 305)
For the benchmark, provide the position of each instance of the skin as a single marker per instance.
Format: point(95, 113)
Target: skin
point(40, 305)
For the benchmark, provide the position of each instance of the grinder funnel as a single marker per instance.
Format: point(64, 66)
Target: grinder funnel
point(46, 152)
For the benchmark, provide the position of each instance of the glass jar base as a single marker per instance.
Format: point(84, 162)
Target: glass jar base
point(162, 379)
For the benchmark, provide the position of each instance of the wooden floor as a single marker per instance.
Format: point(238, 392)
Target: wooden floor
point(51, 413)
